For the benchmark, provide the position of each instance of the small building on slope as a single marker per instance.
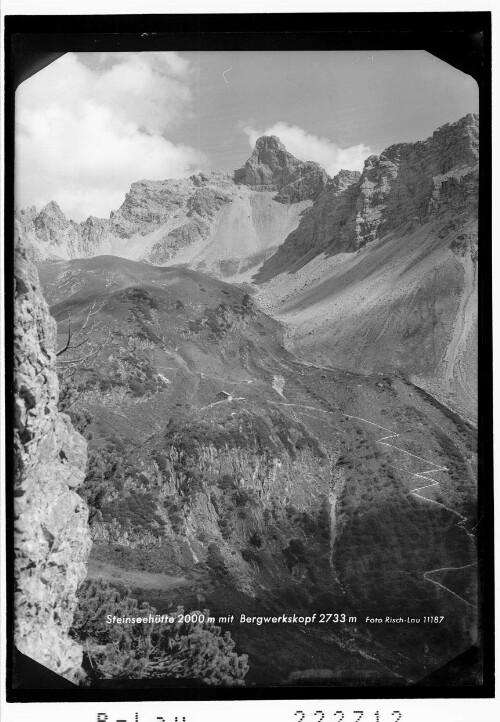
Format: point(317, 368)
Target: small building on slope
point(223, 396)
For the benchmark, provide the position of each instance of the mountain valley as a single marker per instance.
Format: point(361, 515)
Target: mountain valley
point(258, 483)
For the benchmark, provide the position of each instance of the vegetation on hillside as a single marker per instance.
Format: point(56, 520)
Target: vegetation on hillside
point(172, 649)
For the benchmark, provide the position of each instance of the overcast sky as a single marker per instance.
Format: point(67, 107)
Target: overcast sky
point(90, 124)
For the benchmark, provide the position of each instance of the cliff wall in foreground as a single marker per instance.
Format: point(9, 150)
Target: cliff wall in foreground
point(51, 535)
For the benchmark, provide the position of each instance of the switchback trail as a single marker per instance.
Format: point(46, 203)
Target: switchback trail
point(449, 569)
point(430, 482)
point(433, 482)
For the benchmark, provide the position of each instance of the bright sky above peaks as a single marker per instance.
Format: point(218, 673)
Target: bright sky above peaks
point(90, 124)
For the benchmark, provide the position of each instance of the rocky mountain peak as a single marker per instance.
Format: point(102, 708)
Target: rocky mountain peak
point(51, 214)
point(50, 217)
point(269, 143)
point(272, 168)
point(53, 228)
point(52, 209)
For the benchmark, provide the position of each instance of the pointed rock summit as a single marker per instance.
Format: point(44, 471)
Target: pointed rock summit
point(52, 226)
point(50, 215)
point(53, 209)
point(272, 168)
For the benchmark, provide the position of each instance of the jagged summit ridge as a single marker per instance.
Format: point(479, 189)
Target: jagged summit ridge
point(220, 221)
point(230, 223)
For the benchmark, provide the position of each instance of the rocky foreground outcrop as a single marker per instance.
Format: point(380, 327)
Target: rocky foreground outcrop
point(51, 535)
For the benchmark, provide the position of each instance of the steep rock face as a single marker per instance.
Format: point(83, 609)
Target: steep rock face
point(197, 212)
point(94, 234)
point(417, 181)
point(409, 183)
point(331, 217)
point(272, 168)
point(52, 540)
point(150, 204)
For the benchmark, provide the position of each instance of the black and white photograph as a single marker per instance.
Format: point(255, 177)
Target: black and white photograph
point(246, 323)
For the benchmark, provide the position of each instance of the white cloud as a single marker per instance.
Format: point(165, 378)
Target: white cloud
point(307, 146)
point(85, 132)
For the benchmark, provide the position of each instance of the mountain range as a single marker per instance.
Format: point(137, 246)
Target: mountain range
point(369, 272)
